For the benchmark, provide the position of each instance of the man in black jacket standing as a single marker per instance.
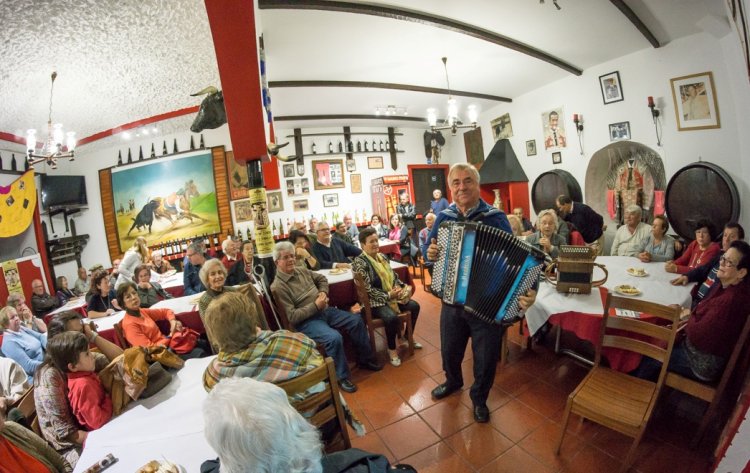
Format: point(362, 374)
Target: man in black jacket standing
point(589, 223)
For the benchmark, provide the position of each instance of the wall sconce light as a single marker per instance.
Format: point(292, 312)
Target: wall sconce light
point(655, 116)
point(578, 120)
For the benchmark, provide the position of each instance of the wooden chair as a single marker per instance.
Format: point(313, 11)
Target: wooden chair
point(374, 323)
point(617, 400)
point(326, 404)
point(712, 393)
point(27, 407)
point(122, 342)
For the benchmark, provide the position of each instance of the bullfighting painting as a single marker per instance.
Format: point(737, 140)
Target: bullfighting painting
point(164, 200)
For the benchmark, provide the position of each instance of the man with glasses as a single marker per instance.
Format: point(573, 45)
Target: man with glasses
point(190, 279)
point(332, 252)
point(304, 296)
point(706, 274)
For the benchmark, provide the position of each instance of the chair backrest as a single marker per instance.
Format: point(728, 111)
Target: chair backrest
point(281, 312)
point(326, 404)
point(120, 336)
point(363, 297)
point(27, 407)
point(654, 340)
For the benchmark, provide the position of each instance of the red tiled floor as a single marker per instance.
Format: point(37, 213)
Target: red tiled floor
point(516, 460)
point(512, 379)
point(438, 458)
point(417, 394)
point(431, 364)
point(479, 444)
point(543, 398)
point(448, 417)
point(591, 459)
point(373, 443)
point(497, 398)
point(542, 441)
point(408, 436)
point(515, 420)
point(385, 409)
point(408, 372)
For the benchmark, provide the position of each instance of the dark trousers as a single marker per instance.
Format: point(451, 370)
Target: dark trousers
point(322, 326)
point(455, 331)
point(390, 319)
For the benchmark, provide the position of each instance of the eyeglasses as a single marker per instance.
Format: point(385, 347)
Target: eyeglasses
point(727, 262)
point(324, 230)
point(287, 256)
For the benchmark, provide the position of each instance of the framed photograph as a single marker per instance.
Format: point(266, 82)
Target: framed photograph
point(243, 212)
point(611, 87)
point(356, 183)
point(501, 127)
point(237, 174)
point(328, 174)
point(295, 187)
point(695, 102)
point(351, 165)
point(556, 157)
point(619, 131)
point(553, 123)
point(375, 162)
point(330, 200)
point(275, 202)
point(531, 148)
point(289, 170)
point(301, 206)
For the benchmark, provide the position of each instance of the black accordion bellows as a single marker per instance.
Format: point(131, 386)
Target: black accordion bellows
point(485, 270)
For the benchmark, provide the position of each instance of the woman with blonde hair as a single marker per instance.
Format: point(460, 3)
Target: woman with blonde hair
point(134, 257)
point(18, 302)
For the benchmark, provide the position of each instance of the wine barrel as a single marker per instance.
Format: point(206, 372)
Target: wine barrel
point(701, 190)
point(551, 184)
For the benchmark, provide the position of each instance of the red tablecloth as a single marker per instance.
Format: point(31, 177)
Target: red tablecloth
point(389, 249)
point(176, 291)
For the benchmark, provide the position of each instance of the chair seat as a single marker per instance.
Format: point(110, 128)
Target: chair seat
point(614, 399)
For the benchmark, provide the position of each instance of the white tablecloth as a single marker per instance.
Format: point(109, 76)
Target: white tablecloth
point(180, 305)
point(168, 425)
point(72, 304)
point(655, 288)
point(347, 275)
point(108, 322)
point(174, 280)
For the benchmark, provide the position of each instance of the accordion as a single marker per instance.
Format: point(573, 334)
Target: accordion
point(575, 268)
point(485, 270)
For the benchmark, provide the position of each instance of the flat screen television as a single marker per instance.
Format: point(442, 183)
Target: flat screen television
point(63, 192)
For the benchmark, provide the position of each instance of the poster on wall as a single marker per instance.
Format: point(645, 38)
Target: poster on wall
point(554, 129)
point(295, 187)
point(238, 182)
point(501, 127)
point(695, 102)
point(12, 278)
point(243, 211)
point(172, 198)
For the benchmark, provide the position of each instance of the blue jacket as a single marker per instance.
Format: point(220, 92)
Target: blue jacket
point(439, 206)
point(337, 253)
point(483, 213)
point(190, 279)
point(25, 347)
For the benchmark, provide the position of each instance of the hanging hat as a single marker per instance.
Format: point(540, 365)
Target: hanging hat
point(428, 144)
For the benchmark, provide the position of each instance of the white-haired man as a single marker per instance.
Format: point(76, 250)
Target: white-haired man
point(629, 236)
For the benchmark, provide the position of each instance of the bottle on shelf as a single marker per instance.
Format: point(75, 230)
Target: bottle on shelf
point(288, 226)
point(314, 150)
point(275, 231)
point(365, 220)
point(168, 249)
point(381, 146)
point(239, 235)
point(247, 233)
point(387, 145)
point(356, 217)
point(359, 145)
point(350, 146)
point(216, 240)
point(330, 148)
point(341, 147)
point(366, 146)
point(183, 245)
point(206, 241)
point(374, 146)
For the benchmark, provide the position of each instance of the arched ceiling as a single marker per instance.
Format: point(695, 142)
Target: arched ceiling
point(122, 61)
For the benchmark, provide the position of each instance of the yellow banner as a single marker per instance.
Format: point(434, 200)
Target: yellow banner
point(263, 236)
point(12, 279)
point(17, 203)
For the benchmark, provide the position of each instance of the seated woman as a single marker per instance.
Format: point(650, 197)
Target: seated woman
point(139, 325)
point(545, 238)
point(384, 289)
point(714, 325)
point(699, 252)
point(23, 450)
point(13, 382)
point(18, 302)
point(149, 292)
point(158, 263)
point(515, 225)
point(21, 344)
point(63, 293)
point(382, 230)
point(213, 275)
point(101, 299)
point(245, 350)
point(58, 425)
point(302, 255)
point(658, 246)
point(242, 270)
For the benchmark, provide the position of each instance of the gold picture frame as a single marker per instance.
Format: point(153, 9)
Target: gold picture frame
point(695, 104)
point(328, 174)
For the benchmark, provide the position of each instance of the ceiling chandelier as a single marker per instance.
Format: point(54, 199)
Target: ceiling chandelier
point(452, 122)
point(52, 149)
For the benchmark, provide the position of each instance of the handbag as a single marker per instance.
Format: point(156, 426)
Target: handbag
point(405, 295)
point(183, 341)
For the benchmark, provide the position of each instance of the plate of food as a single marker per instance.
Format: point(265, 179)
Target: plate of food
point(637, 272)
point(627, 290)
point(155, 466)
point(336, 271)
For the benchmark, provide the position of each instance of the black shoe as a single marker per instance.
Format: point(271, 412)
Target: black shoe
point(371, 365)
point(481, 414)
point(347, 385)
point(444, 390)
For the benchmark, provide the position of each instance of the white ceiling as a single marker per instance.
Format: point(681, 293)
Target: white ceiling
point(119, 61)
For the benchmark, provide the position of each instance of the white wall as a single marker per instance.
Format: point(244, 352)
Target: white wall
point(645, 73)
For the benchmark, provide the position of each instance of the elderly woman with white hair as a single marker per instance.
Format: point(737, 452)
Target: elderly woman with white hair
point(546, 238)
point(213, 275)
point(158, 263)
point(260, 429)
point(629, 236)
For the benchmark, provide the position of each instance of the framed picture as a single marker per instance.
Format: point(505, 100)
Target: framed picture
point(328, 174)
point(375, 162)
point(501, 127)
point(619, 131)
point(289, 170)
point(531, 148)
point(243, 212)
point(275, 202)
point(295, 187)
point(556, 157)
point(695, 102)
point(356, 183)
point(330, 200)
point(351, 165)
point(611, 87)
point(237, 174)
point(554, 129)
point(301, 206)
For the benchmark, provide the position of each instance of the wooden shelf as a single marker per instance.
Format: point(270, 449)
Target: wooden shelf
point(360, 133)
point(352, 152)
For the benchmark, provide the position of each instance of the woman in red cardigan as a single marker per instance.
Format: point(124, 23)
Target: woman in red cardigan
point(699, 252)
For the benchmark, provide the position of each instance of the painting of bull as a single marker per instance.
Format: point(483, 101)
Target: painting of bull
point(145, 217)
point(211, 113)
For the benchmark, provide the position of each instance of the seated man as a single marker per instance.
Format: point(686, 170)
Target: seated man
point(231, 250)
point(331, 252)
point(342, 234)
point(629, 236)
point(304, 296)
point(190, 277)
point(42, 303)
point(351, 227)
point(429, 221)
point(302, 250)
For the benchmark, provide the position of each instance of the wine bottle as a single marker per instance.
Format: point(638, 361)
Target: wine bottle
point(330, 148)
point(274, 230)
point(314, 150)
point(381, 146)
point(183, 245)
point(247, 233)
point(387, 145)
point(168, 250)
point(239, 235)
point(374, 147)
point(359, 145)
point(153, 151)
point(341, 147)
point(366, 146)
point(350, 146)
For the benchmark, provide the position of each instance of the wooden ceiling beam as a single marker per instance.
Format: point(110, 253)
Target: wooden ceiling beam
point(384, 85)
point(385, 11)
point(630, 15)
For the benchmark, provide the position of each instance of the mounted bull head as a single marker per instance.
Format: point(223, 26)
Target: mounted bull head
point(211, 113)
